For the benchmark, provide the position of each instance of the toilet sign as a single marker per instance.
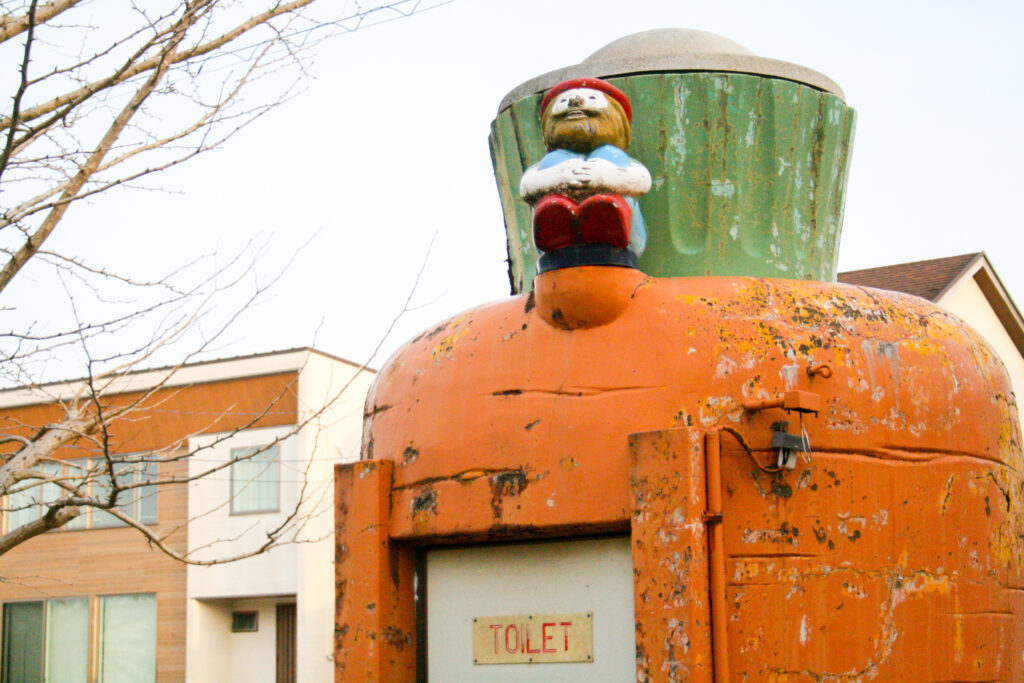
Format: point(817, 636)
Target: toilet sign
point(534, 638)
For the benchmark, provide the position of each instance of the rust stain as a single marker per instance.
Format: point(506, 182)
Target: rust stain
point(426, 501)
point(504, 485)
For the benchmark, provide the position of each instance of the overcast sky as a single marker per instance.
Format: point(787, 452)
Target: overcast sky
point(386, 151)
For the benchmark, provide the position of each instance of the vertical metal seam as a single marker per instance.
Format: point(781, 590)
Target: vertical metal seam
point(716, 556)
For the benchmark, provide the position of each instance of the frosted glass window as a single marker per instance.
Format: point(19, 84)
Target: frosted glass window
point(28, 505)
point(49, 493)
point(145, 496)
point(67, 640)
point(74, 470)
point(127, 652)
point(101, 486)
point(255, 479)
point(89, 475)
point(21, 509)
point(137, 503)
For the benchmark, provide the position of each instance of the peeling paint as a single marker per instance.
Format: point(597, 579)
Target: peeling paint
point(909, 501)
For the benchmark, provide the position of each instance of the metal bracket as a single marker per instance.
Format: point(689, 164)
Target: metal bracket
point(712, 517)
point(787, 445)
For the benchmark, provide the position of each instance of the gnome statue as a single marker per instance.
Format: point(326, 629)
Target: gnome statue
point(584, 190)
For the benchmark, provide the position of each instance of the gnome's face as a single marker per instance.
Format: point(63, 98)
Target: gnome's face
point(583, 119)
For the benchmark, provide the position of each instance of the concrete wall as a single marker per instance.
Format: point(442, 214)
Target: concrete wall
point(216, 655)
point(254, 655)
point(332, 435)
point(208, 641)
point(215, 533)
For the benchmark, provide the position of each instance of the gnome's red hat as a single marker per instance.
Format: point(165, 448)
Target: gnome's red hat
point(594, 83)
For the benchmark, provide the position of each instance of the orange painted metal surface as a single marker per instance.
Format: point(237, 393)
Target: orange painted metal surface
point(375, 599)
point(892, 552)
point(671, 598)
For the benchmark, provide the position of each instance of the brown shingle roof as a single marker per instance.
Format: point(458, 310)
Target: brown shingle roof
point(926, 279)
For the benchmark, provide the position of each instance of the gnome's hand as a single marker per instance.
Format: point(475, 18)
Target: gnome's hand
point(568, 177)
point(604, 176)
point(581, 178)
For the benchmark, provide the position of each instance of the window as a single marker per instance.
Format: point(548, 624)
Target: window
point(255, 479)
point(67, 640)
point(139, 503)
point(244, 622)
point(29, 504)
point(50, 637)
point(127, 640)
point(51, 640)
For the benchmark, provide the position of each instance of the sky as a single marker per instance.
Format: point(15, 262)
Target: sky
point(375, 180)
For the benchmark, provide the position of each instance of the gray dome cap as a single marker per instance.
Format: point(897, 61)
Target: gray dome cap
point(673, 49)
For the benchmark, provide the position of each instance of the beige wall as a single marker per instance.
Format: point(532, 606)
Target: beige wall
point(221, 656)
point(209, 626)
point(215, 533)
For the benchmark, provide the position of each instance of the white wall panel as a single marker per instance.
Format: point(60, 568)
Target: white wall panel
point(594, 575)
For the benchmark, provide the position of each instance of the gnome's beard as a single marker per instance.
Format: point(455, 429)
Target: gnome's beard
point(584, 135)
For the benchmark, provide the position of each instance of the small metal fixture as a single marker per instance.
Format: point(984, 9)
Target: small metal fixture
point(788, 445)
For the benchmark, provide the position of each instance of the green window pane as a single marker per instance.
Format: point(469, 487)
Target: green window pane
point(255, 479)
point(74, 471)
point(21, 509)
point(101, 486)
point(67, 640)
point(23, 642)
point(146, 495)
point(127, 639)
point(48, 493)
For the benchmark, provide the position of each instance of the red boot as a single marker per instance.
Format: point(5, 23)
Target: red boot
point(555, 222)
point(605, 219)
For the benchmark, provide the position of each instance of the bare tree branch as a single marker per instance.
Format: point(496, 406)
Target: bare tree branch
point(28, 250)
point(107, 113)
point(53, 519)
point(11, 26)
point(22, 86)
point(159, 61)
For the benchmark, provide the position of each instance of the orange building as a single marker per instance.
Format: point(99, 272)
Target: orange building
point(720, 466)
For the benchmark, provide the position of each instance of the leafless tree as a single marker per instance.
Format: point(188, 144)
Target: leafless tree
point(97, 106)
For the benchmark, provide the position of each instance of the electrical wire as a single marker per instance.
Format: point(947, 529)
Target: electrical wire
point(743, 444)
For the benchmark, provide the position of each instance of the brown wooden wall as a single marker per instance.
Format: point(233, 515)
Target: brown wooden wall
point(90, 562)
point(172, 414)
point(93, 562)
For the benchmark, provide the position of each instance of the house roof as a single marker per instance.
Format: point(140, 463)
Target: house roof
point(926, 279)
point(255, 365)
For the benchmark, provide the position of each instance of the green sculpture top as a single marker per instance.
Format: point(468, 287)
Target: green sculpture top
point(747, 157)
